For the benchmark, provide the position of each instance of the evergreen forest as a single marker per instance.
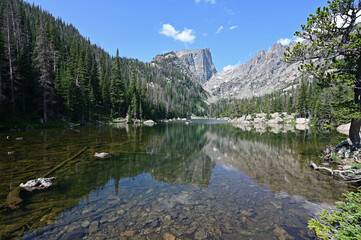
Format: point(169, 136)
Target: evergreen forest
point(49, 72)
point(309, 99)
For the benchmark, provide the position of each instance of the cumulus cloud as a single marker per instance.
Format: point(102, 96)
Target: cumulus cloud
point(287, 41)
point(298, 39)
point(284, 41)
point(231, 67)
point(185, 36)
point(206, 1)
point(168, 30)
point(219, 29)
point(233, 27)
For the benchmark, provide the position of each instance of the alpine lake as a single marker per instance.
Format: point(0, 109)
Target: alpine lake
point(203, 180)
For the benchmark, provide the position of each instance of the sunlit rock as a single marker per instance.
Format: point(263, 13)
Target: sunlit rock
point(149, 123)
point(344, 128)
point(302, 120)
point(101, 155)
point(38, 184)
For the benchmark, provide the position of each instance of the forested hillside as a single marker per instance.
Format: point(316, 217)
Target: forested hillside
point(48, 71)
point(308, 99)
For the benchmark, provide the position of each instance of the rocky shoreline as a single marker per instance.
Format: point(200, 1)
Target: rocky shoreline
point(276, 121)
point(274, 118)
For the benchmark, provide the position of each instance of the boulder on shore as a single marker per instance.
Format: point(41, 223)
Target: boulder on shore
point(302, 120)
point(149, 123)
point(344, 128)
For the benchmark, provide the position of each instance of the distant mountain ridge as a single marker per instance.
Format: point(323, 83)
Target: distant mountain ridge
point(263, 74)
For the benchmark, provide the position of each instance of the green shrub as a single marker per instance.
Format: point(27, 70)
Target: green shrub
point(343, 224)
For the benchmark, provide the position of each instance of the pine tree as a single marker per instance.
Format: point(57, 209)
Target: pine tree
point(333, 37)
point(117, 88)
point(105, 81)
point(43, 65)
point(302, 99)
point(7, 29)
point(133, 108)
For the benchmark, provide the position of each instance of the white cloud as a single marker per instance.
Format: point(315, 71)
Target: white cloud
point(168, 30)
point(284, 41)
point(186, 36)
point(207, 1)
point(287, 41)
point(231, 67)
point(219, 29)
point(298, 39)
point(233, 27)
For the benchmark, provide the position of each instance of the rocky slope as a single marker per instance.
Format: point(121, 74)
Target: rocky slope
point(197, 64)
point(264, 73)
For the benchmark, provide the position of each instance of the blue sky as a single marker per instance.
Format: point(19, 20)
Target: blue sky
point(234, 30)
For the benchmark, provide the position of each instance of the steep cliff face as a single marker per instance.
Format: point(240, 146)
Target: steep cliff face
point(197, 64)
point(263, 74)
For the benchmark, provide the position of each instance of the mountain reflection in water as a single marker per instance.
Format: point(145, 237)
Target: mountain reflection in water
point(196, 181)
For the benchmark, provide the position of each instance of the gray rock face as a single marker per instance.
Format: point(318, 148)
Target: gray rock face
point(264, 73)
point(196, 64)
point(199, 62)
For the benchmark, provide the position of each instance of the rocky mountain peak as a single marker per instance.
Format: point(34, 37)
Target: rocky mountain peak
point(264, 73)
point(197, 63)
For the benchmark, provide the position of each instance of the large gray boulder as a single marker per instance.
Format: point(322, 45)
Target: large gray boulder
point(149, 123)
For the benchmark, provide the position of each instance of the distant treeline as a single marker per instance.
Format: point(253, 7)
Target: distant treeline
point(48, 71)
point(308, 99)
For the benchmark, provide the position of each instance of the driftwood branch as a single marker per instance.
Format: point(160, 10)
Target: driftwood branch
point(64, 162)
point(355, 176)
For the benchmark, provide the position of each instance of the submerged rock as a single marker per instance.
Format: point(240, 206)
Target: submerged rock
point(101, 155)
point(75, 234)
point(85, 224)
point(38, 184)
point(93, 228)
point(168, 236)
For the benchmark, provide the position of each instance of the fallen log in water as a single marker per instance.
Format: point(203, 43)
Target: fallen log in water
point(352, 175)
point(64, 162)
point(13, 199)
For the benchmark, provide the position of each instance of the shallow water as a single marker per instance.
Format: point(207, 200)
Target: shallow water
point(196, 181)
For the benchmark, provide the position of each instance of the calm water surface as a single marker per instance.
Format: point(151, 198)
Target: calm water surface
point(196, 181)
